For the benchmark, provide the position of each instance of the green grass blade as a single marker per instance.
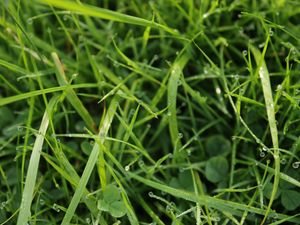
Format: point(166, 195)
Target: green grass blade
point(175, 76)
point(267, 91)
point(15, 98)
point(90, 163)
point(106, 14)
point(212, 202)
point(71, 95)
point(27, 196)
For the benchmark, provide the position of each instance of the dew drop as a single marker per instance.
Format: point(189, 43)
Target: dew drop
point(245, 52)
point(88, 220)
point(180, 135)
point(3, 204)
point(261, 45)
point(92, 143)
point(217, 219)
point(169, 208)
point(295, 165)
point(42, 201)
point(127, 168)
point(155, 57)
point(55, 207)
point(279, 87)
point(218, 90)
point(264, 149)
point(151, 195)
point(283, 161)
point(262, 154)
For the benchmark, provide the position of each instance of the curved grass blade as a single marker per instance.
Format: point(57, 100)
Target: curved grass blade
point(9, 100)
point(106, 14)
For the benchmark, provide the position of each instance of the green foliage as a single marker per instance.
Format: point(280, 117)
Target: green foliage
point(195, 102)
point(217, 145)
point(111, 201)
point(290, 199)
point(216, 169)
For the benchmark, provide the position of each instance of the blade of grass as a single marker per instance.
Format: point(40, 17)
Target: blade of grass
point(27, 196)
point(71, 95)
point(15, 98)
point(212, 202)
point(105, 14)
point(90, 163)
point(267, 91)
point(174, 79)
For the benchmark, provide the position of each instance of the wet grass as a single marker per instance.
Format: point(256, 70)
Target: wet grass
point(149, 112)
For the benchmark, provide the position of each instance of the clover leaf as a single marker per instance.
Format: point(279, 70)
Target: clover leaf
point(111, 202)
point(216, 169)
point(217, 145)
point(290, 199)
point(184, 181)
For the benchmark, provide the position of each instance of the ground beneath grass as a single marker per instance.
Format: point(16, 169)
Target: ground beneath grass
point(149, 112)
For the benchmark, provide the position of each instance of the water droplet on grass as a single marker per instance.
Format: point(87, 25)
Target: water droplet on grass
point(283, 161)
point(3, 204)
point(295, 165)
point(127, 168)
point(42, 201)
point(88, 220)
point(261, 45)
point(180, 135)
point(55, 207)
point(245, 52)
point(151, 195)
point(262, 154)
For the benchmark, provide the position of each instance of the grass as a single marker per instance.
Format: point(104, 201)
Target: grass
point(149, 112)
